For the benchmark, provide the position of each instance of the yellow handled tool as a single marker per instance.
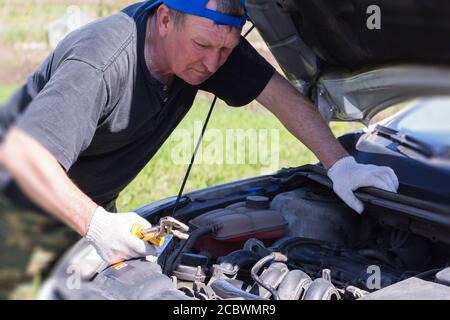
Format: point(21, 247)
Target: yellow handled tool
point(156, 235)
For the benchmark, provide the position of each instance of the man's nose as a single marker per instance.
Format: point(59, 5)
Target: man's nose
point(212, 61)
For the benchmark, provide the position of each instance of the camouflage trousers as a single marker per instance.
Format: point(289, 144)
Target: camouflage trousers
point(31, 243)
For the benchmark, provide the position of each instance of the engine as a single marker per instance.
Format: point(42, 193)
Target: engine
point(302, 245)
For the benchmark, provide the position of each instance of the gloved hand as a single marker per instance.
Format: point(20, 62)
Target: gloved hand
point(348, 175)
point(110, 234)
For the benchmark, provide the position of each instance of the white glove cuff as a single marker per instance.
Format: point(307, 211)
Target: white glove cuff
point(97, 224)
point(342, 164)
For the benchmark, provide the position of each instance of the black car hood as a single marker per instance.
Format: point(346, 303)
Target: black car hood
point(334, 52)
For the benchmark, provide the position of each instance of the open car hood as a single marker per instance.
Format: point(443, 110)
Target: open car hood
point(354, 59)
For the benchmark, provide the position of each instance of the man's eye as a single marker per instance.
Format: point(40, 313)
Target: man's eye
point(201, 45)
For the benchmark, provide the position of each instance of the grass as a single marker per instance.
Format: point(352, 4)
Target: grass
point(6, 91)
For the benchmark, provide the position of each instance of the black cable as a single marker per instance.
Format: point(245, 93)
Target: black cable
point(274, 256)
point(200, 138)
point(171, 262)
point(249, 30)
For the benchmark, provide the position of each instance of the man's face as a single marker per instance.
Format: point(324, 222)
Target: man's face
point(199, 48)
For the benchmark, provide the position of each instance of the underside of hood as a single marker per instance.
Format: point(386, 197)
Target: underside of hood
point(353, 58)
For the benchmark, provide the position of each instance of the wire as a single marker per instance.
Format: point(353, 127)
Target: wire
point(254, 274)
point(200, 138)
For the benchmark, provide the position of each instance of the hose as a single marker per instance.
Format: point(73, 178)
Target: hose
point(275, 256)
point(186, 245)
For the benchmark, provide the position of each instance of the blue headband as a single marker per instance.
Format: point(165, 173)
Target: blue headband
point(198, 8)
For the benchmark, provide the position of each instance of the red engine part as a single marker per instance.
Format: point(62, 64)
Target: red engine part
point(238, 223)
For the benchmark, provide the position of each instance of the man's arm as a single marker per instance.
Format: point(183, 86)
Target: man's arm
point(41, 177)
point(300, 117)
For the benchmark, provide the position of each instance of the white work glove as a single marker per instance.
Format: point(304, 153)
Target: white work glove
point(348, 175)
point(110, 234)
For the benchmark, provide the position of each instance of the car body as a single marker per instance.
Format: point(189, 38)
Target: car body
point(287, 235)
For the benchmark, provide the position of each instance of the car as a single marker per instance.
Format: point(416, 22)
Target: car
point(287, 236)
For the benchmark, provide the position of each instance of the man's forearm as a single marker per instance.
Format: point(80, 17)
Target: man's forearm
point(300, 117)
point(43, 180)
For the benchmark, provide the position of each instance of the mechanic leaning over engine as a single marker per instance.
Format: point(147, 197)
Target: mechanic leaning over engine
point(104, 101)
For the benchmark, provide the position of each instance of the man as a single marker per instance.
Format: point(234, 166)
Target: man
point(100, 106)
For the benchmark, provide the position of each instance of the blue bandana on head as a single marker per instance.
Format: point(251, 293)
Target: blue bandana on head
point(198, 8)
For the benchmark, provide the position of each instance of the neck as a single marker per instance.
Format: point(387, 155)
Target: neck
point(155, 58)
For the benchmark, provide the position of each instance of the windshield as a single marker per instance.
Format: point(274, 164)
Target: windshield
point(428, 120)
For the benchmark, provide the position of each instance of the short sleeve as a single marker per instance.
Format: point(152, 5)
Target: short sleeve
point(63, 117)
point(242, 77)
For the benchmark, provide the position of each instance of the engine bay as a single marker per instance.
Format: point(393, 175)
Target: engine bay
point(304, 244)
point(296, 243)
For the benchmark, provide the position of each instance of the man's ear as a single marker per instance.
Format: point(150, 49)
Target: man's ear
point(163, 19)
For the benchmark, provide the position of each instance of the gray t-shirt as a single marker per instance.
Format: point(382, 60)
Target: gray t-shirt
point(95, 106)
